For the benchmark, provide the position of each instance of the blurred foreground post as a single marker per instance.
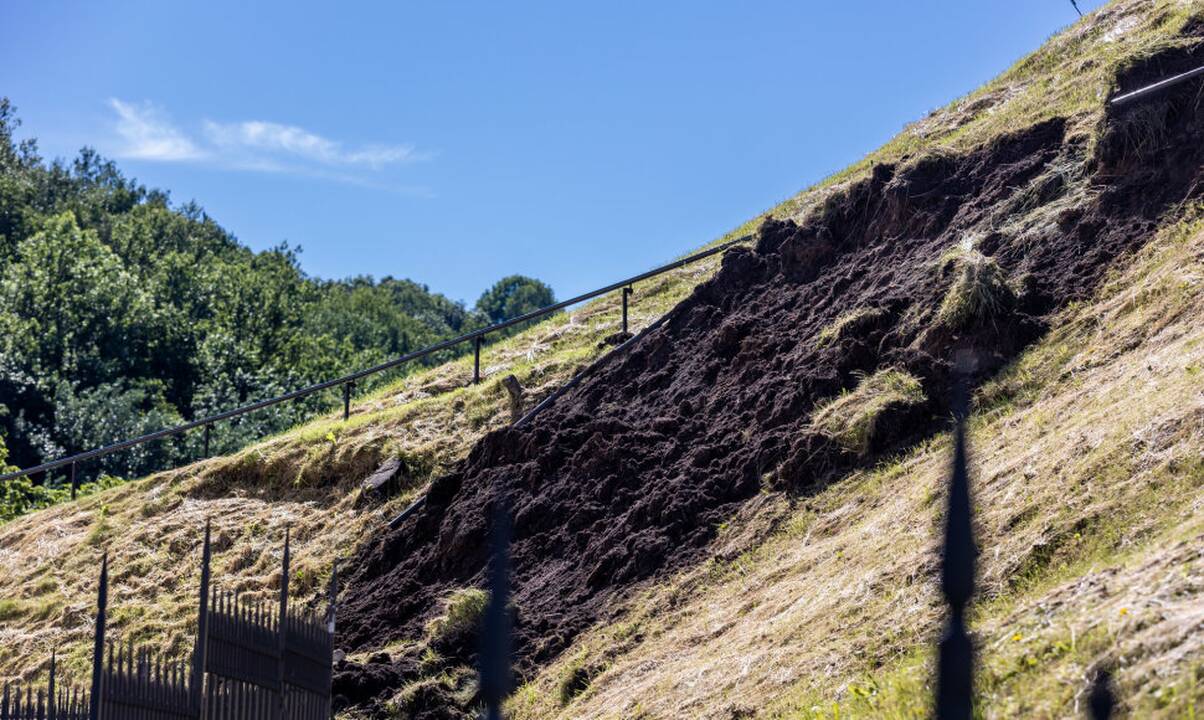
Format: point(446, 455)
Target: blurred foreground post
point(955, 674)
point(495, 634)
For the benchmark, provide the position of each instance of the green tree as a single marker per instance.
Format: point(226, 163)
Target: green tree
point(121, 314)
point(512, 296)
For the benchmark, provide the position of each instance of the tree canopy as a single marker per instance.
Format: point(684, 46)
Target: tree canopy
point(121, 313)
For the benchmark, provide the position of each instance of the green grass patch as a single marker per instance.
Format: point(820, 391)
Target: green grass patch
point(849, 324)
point(979, 291)
point(465, 609)
point(853, 419)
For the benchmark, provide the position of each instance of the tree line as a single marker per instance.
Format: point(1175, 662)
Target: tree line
point(122, 314)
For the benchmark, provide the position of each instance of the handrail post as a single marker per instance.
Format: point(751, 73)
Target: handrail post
point(347, 401)
point(626, 292)
point(476, 359)
point(208, 428)
point(74, 482)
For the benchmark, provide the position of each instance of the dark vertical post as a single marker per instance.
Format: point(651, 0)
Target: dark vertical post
point(74, 482)
point(1102, 701)
point(52, 705)
point(954, 695)
point(282, 630)
point(201, 649)
point(626, 291)
point(495, 635)
point(332, 597)
point(332, 601)
point(346, 401)
point(98, 647)
point(208, 431)
point(476, 359)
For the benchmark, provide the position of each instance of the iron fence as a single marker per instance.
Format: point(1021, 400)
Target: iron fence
point(250, 661)
point(54, 702)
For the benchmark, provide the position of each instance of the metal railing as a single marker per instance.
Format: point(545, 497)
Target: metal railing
point(348, 382)
point(1157, 87)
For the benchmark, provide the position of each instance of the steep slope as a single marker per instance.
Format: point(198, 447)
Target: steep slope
point(1090, 509)
point(1026, 188)
point(823, 349)
point(307, 479)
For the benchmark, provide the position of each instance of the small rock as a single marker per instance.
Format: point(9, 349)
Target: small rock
point(380, 658)
point(615, 339)
point(515, 389)
point(384, 483)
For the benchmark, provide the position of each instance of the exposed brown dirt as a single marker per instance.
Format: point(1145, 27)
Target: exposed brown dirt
point(630, 474)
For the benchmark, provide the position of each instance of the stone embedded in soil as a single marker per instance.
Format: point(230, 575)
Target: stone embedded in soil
point(384, 483)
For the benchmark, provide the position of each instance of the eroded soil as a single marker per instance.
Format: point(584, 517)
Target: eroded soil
point(629, 474)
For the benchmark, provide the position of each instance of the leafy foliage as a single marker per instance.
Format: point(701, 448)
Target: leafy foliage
point(121, 314)
point(20, 496)
point(512, 296)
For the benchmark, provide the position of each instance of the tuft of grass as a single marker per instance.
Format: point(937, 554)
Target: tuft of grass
point(100, 527)
point(852, 419)
point(849, 324)
point(575, 678)
point(465, 608)
point(456, 687)
point(979, 291)
point(11, 610)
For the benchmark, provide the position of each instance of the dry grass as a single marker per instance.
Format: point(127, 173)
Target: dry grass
point(1090, 510)
point(979, 290)
point(854, 418)
point(849, 324)
point(812, 635)
point(461, 616)
point(306, 478)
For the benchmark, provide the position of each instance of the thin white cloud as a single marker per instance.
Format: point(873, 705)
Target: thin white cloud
point(148, 134)
point(257, 136)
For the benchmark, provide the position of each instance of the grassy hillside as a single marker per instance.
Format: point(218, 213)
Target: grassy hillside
point(1090, 514)
point(306, 478)
point(813, 605)
point(122, 314)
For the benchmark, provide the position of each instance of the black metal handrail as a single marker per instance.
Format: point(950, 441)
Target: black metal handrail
point(1157, 87)
point(349, 381)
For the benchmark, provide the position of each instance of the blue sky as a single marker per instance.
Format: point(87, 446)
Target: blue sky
point(454, 143)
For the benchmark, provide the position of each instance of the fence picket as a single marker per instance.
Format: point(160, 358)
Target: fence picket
point(250, 660)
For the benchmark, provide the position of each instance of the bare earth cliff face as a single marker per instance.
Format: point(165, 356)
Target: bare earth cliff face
point(629, 476)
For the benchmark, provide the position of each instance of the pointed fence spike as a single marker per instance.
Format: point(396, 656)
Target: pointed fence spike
point(200, 649)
